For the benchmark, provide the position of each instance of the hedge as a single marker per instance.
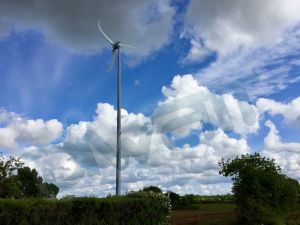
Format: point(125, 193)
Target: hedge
point(133, 209)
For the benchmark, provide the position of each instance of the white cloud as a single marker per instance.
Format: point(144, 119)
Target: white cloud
point(181, 169)
point(93, 143)
point(225, 26)
point(290, 111)
point(196, 54)
point(273, 141)
point(16, 131)
point(257, 72)
point(256, 42)
point(144, 24)
point(188, 105)
point(286, 155)
point(85, 159)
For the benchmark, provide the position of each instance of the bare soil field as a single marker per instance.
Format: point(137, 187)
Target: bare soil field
point(218, 214)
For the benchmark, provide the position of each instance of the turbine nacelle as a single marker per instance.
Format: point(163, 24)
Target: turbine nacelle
point(116, 45)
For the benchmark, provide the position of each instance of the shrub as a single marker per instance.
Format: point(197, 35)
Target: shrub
point(134, 209)
point(262, 194)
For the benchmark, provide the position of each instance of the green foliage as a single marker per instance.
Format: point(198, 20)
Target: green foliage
point(153, 189)
point(229, 198)
point(187, 201)
point(10, 187)
point(30, 182)
point(174, 198)
point(7, 167)
point(196, 201)
point(163, 203)
point(261, 192)
point(182, 202)
point(17, 181)
point(134, 209)
point(52, 189)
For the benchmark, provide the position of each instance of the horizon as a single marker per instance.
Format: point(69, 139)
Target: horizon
point(207, 80)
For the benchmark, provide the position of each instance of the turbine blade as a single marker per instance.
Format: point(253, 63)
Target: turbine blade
point(104, 35)
point(113, 55)
point(128, 46)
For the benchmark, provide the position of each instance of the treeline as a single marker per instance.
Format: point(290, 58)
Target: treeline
point(195, 201)
point(190, 201)
point(17, 181)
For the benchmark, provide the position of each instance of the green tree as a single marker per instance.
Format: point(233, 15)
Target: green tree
point(31, 182)
point(261, 192)
point(10, 166)
point(153, 189)
point(10, 187)
point(17, 181)
point(175, 198)
point(52, 189)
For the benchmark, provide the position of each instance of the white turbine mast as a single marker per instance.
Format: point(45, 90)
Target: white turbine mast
point(116, 46)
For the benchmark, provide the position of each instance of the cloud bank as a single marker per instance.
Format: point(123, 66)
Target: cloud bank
point(83, 162)
point(144, 24)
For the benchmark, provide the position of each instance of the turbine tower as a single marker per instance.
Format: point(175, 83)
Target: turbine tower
point(116, 46)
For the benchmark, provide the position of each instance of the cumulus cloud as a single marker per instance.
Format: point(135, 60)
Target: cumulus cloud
point(85, 159)
point(92, 143)
point(180, 168)
point(144, 24)
point(273, 141)
point(16, 131)
point(286, 154)
point(290, 111)
point(188, 106)
point(225, 26)
point(83, 162)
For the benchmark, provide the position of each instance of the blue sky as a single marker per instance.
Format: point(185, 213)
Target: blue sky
point(207, 80)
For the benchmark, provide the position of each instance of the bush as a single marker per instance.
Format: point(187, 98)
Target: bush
point(262, 193)
point(134, 209)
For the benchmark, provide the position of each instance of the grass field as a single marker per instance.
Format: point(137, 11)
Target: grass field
point(217, 214)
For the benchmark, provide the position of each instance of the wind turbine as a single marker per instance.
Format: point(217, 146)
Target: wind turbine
point(116, 46)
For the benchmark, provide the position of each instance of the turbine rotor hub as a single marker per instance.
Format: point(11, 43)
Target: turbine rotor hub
point(116, 45)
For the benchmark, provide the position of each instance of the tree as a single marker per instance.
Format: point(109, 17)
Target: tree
point(30, 181)
point(48, 190)
point(53, 190)
point(10, 187)
point(175, 198)
point(17, 181)
point(261, 192)
point(8, 167)
point(153, 189)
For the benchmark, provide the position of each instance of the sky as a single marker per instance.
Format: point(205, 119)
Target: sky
point(207, 79)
